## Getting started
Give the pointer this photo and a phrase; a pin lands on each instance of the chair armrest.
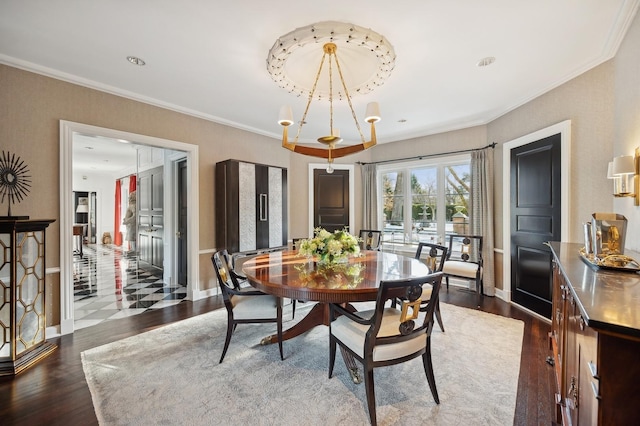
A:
(351, 315)
(238, 275)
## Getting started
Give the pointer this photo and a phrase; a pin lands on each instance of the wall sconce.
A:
(616, 179)
(624, 171)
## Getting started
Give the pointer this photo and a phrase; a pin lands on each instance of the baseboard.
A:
(203, 294)
(503, 295)
(530, 312)
(53, 331)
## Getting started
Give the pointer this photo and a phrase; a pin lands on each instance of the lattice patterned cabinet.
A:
(22, 294)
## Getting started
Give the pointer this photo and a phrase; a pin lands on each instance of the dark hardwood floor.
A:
(55, 392)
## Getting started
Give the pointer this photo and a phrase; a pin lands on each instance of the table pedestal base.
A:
(318, 315)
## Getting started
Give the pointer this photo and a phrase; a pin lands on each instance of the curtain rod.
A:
(420, 157)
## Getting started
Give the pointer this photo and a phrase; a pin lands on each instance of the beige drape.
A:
(370, 197)
(482, 211)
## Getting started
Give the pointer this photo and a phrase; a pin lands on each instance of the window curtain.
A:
(117, 235)
(482, 211)
(132, 183)
(370, 197)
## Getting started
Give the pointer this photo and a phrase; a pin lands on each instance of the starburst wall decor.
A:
(15, 181)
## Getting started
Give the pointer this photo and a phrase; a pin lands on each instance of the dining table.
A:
(287, 274)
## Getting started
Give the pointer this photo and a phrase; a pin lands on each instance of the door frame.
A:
(352, 215)
(172, 217)
(67, 130)
(564, 128)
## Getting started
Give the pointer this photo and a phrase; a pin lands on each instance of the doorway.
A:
(518, 278)
(67, 132)
(346, 183)
(535, 219)
(331, 199)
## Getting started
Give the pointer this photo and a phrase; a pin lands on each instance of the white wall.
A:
(103, 184)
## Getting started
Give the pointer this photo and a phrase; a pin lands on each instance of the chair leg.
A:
(371, 395)
(447, 280)
(279, 316)
(438, 315)
(293, 309)
(231, 326)
(428, 369)
(332, 354)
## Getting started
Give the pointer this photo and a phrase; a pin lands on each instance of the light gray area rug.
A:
(171, 376)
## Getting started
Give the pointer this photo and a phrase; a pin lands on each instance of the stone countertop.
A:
(609, 300)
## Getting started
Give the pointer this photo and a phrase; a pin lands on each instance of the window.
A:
(424, 201)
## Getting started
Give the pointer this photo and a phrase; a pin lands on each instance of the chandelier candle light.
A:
(350, 37)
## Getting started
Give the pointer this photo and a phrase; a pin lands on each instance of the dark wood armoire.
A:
(251, 206)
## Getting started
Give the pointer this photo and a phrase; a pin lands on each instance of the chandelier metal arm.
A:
(331, 152)
(348, 96)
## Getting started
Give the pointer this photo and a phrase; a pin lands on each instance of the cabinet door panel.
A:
(589, 385)
(276, 199)
(247, 207)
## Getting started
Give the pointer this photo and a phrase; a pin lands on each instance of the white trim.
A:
(500, 294)
(67, 130)
(352, 215)
(530, 312)
(564, 128)
(171, 217)
(201, 294)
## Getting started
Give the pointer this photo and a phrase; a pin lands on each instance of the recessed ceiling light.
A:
(135, 60)
(486, 61)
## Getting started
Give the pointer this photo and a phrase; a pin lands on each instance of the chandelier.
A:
(374, 58)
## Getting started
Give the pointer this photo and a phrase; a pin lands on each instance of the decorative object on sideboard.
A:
(370, 58)
(15, 181)
(605, 243)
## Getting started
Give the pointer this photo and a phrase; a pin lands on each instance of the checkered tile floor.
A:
(109, 285)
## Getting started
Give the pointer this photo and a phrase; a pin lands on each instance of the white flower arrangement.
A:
(330, 247)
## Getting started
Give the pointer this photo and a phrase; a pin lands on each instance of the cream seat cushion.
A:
(254, 307)
(461, 269)
(353, 335)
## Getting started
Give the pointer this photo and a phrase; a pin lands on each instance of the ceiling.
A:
(208, 58)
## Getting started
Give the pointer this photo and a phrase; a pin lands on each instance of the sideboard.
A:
(595, 339)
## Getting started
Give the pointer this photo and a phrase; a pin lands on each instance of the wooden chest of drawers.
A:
(595, 338)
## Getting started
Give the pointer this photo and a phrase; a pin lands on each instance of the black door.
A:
(182, 223)
(151, 217)
(535, 219)
(331, 199)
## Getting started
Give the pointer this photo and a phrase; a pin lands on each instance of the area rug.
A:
(171, 376)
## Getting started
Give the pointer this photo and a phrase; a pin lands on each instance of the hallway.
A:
(108, 285)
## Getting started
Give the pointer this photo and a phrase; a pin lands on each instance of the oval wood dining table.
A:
(286, 274)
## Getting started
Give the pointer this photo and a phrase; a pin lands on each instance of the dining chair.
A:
(370, 239)
(434, 258)
(244, 306)
(464, 260)
(386, 335)
(242, 281)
